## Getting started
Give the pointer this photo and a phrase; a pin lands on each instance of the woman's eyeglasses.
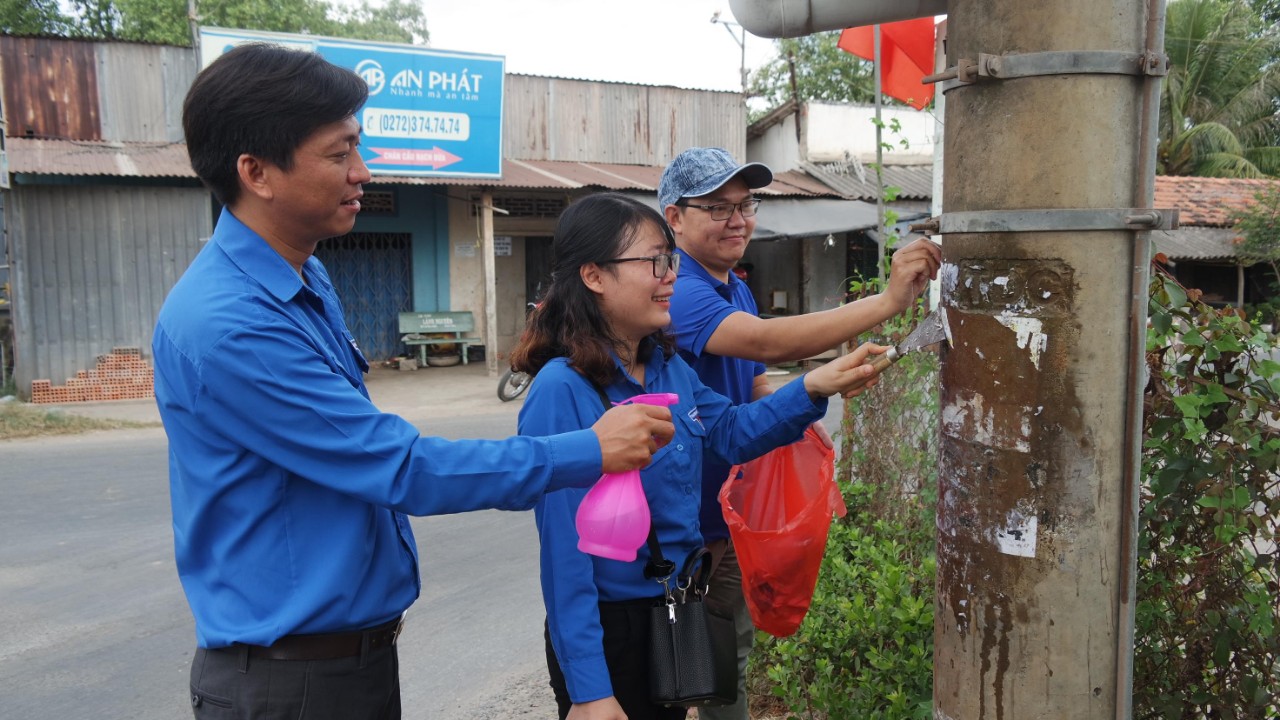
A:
(661, 263)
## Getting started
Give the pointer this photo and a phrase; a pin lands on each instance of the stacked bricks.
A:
(121, 374)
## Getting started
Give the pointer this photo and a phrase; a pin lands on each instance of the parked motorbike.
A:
(513, 383)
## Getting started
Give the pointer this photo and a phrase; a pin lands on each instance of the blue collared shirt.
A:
(289, 488)
(706, 423)
(698, 306)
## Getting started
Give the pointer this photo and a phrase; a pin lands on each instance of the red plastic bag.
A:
(779, 510)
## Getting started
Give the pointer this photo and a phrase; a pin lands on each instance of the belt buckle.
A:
(395, 634)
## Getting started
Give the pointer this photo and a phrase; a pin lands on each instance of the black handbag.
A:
(693, 657)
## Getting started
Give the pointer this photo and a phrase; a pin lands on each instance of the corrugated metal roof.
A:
(82, 158)
(113, 159)
(784, 218)
(794, 182)
(1207, 202)
(553, 175)
(810, 217)
(549, 174)
(1197, 243)
(858, 182)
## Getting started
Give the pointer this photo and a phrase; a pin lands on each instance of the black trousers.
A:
(227, 684)
(626, 652)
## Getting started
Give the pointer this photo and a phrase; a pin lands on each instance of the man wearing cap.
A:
(707, 199)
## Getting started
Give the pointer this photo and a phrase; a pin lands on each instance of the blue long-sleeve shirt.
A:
(289, 488)
(573, 583)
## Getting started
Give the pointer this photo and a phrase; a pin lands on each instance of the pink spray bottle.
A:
(613, 519)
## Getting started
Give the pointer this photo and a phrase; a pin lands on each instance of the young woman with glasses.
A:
(601, 328)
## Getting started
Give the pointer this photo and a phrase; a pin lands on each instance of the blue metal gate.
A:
(372, 273)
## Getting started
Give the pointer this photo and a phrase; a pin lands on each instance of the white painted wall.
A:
(466, 265)
(777, 147)
(833, 130)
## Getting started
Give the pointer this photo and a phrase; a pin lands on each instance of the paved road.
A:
(93, 623)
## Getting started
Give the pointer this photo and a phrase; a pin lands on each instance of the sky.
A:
(653, 42)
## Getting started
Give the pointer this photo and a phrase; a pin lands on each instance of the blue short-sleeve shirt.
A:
(700, 303)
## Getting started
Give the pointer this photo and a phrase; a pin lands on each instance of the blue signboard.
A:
(429, 113)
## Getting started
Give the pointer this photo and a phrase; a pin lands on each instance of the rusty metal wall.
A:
(576, 120)
(141, 89)
(50, 88)
(1031, 542)
(91, 267)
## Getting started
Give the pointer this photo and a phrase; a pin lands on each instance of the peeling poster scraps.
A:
(1018, 536)
(1030, 334)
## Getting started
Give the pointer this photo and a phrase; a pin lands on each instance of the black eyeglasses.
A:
(661, 263)
(724, 211)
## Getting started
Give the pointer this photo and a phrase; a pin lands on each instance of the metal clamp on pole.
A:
(964, 73)
(1082, 220)
(1069, 62)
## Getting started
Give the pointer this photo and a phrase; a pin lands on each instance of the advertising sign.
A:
(429, 112)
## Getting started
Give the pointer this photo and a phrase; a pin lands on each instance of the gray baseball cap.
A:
(698, 171)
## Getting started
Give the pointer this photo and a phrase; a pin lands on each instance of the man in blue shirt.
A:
(289, 488)
(706, 197)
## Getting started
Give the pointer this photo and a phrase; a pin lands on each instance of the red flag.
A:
(906, 56)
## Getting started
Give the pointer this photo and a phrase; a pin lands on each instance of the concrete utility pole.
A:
(1048, 167)
(1051, 113)
(490, 284)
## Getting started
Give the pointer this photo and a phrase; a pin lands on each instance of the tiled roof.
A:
(115, 159)
(1207, 202)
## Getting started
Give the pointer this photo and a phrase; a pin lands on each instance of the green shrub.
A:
(1208, 613)
(865, 650)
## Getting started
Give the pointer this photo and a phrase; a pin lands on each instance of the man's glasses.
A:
(661, 263)
(724, 211)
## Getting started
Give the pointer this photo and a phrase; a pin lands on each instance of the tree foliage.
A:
(167, 21)
(1259, 226)
(33, 17)
(1268, 11)
(820, 70)
(1219, 109)
(399, 21)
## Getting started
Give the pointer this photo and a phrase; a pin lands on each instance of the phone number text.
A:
(416, 125)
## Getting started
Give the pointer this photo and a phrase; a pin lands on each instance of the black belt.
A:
(329, 646)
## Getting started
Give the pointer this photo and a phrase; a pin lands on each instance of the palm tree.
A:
(1220, 110)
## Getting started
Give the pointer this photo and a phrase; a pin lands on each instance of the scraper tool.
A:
(932, 329)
